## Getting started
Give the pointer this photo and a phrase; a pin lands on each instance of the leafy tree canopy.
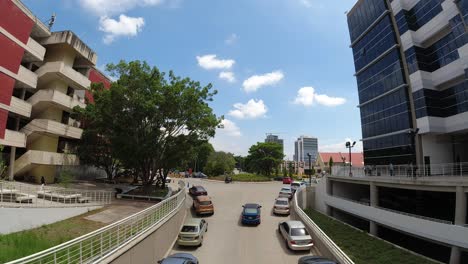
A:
(264, 157)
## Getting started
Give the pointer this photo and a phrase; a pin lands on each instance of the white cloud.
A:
(307, 96)
(112, 7)
(227, 76)
(231, 39)
(251, 110)
(255, 82)
(209, 62)
(306, 3)
(125, 26)
(340, 147)
(229, 128)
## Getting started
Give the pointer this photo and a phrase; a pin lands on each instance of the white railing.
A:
(319, 236)
(453, 170)
(99, 244)
(17, 194)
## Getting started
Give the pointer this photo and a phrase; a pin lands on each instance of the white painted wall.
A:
(438, 148)
(320, 194)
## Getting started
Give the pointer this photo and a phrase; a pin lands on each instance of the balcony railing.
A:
(425, 171)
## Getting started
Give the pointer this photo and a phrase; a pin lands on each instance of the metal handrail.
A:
(339, 255)
(94, 246)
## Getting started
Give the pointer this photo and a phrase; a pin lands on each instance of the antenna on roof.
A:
(51, 21)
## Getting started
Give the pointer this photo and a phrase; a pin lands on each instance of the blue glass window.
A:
(363, 15)
(418, 16)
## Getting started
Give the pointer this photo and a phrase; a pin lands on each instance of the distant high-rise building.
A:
(275, 139)
(304, 145)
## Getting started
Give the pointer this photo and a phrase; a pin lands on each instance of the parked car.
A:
(228, 179)
(197, 190)
(251, 214)
(315, 260)
(203, 205)
(287, 180)
(278, 178)
(307, 183)
(281, 206)
(286, 192)
(168, 179)
(192, 232)
(179, 258)
(295, 235)
(296, 185)
(199, 175)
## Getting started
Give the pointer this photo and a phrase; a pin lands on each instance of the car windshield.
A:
(299, 232)
(280, 202)
(189, 228)
(295, 184)
(250, 211)
(285, 190)
(205, 203)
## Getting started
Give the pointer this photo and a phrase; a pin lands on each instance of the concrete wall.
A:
(438, 148)
(320, 195)
(356, 192)
(154, 245)
(18, 219)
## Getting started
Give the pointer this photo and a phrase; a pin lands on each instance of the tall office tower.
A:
(304, 145)
(275, 139)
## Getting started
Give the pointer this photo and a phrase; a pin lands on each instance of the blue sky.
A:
(281, 66)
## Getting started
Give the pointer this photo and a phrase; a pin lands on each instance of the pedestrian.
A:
(391, 169)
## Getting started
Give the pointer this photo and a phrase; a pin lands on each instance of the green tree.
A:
(290, 169)
(330, 165)
(146, 112)
(202, 152)
(240, 162)
(219, 163)
(263, 158)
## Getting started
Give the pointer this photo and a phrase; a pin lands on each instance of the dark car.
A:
(179, 258)
(228, 179)
(315, 260)
(251, 214)
(197, 191)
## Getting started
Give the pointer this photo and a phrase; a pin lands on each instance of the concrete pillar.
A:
(373, 228)
(460, 206)
(455, 255)
(374, 195)
(11, 168)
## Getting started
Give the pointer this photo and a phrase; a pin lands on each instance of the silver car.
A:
(281, 206)
(192, 232)
(296, 185)
(295, 235)
(286, 192)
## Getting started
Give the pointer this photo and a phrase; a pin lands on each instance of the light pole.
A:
(350, 146)
(310, 167)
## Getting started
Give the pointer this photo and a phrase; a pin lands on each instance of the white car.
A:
(192, 232)
(295, 235)
(286, 192)
(296, 185)
(281, 206)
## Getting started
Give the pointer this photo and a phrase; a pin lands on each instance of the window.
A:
(299, 232)
(189, 228)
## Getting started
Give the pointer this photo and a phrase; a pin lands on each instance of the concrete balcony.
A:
(18, 107)
(26, 78)
(442, 125)
(36, 157)
(43, 99)
(13, 139)
(431, 229)
(58, 70)
(33, 51)
(46, 126)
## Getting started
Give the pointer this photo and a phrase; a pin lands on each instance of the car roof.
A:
(286, 188)
(295, 224)
(198, 187)
(315, 259)
(192, 222)
(203, 198)
(282, 199)
(178, 258)
(251, 205)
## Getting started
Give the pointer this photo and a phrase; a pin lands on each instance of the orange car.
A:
(203, 205)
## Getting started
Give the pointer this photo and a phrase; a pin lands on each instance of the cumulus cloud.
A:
(227, 76)
(112, 7)
(255, 82)
(231, 39)
(124, 27)
(340, 146)
(307, 96)
(229, 128)
(210, 62)
(251, 110)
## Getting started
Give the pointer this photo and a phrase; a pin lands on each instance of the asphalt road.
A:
(227, 240)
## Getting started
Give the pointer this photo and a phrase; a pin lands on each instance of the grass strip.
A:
(244, 177)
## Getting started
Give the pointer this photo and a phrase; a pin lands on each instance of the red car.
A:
(287, 180)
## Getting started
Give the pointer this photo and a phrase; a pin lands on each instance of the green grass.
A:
(244, 177)
(24, 243)
(361, 247)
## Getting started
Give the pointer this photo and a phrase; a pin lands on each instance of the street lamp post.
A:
(310, 167)
(350, 146)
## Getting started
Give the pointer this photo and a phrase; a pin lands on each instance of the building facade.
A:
(275, 139)
(43, 76)
(411, 58)
(302, 146)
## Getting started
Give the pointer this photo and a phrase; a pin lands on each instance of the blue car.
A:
(179, 258)
(251, 214)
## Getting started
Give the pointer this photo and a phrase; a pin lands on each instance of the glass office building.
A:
(410, 59)
(304, 145)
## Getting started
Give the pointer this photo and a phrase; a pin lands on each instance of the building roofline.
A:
(351, 11)
(31, 15)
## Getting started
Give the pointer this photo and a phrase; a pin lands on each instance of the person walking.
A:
(391, 169)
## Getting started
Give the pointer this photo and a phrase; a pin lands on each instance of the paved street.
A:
(227, 241)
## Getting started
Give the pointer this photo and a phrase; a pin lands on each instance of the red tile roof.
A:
(356, 158)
